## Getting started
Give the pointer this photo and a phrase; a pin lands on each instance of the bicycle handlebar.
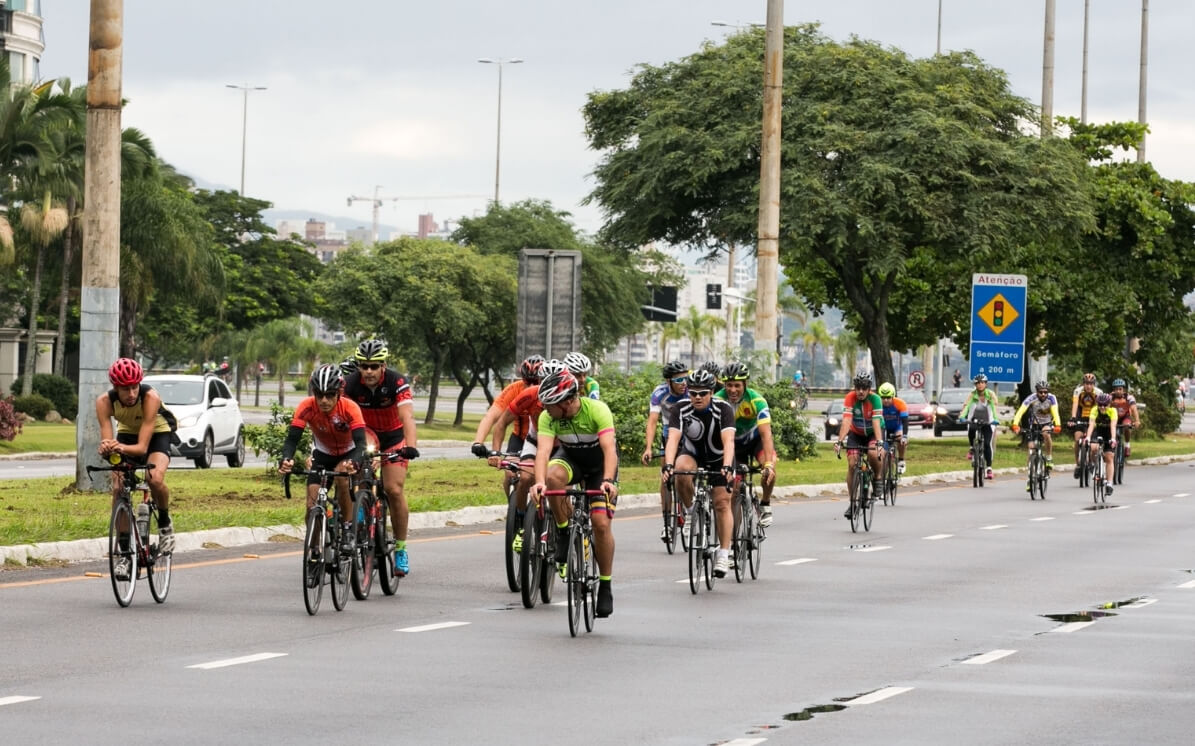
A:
(321, 473)
(573, 492)
(125, 466)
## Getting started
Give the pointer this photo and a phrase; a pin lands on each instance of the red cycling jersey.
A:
(380, 405)
(507, 398)
(526, 407)
(332, 432)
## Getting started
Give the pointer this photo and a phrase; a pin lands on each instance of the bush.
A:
(270, 437)
(10, 424)
(790, 429)
(1160, 415)
(34, 405)
(62, 394)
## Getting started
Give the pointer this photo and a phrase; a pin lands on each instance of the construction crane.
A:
(377, 201)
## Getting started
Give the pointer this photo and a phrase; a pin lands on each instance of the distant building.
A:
(22, 39)
(427, 225)
(286, 228)
(360, 234)
(314, 230)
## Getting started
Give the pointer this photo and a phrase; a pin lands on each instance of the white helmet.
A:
(578, 364)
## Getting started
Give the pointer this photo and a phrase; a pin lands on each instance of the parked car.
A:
(949, 407)
(833, 418)
(921, 412)
(209, 418)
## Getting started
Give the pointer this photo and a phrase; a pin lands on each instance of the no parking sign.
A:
(916, 379)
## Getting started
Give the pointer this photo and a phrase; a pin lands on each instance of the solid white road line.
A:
(237, 661)
(1043, 518)
(15, 699)
(799, 561)
(992, 527)
(430, 627)
(879, 695)
(1069, 627)
(872, 549)
(1188, 584)
(936, 537)
(995, 655)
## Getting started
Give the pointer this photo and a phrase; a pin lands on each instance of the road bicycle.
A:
(537, 559)
(889, 479)
(674, 518)
(800, 398)
(581, 577)
(748, 534)
(1039, 472)
(328, 548)
(374, 546)
(703, 543)
(1119, 454)
(1099, 475)
(862, 507)
(513, 468)
(131, 550)
(979, 450)
(1083, 460)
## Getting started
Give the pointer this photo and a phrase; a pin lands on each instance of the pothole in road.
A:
(1102, 506)
(1078, 616)
(858, 546)
(1126, 602)
(809, 712)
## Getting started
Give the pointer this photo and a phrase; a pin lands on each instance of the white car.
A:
(209, 418)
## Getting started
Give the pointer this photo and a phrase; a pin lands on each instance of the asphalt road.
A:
(929, 629)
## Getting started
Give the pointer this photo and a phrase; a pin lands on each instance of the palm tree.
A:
(43, 223)
(282, 343)
(846, 351)
(698, 327)
(814, 336)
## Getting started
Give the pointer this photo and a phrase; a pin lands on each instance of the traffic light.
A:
(998, 313)
(713, 295)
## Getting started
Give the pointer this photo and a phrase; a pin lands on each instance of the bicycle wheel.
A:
(696, 531)
(575, 580)
(756, 544)
(591, 577)
(869, 506)
(547, 563)
(363, 554)
(1084, 474)
(125, 585)
(1118, 463)
(707, 557)
(857, 501)
(512, 561)
(882, 482)
(1033, 477)
(893, 481)
(383, 549)
(159, 566)
(1097, 488)
(313, 565)
(529, 558)
(341, 566)
(742, 539)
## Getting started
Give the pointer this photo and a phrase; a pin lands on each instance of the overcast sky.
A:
(390, 93)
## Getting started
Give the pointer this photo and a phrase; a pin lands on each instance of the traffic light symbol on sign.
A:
(998, 313)
(713, 295)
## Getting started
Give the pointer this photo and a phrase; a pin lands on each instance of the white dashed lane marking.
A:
(237, 661)
(1043, 518)
(879, 695)
(1181, 494)
(995, 655)
(1071, 627)
(936, 537)
(1188, 584)
(872, 549)
(744, 742)
(15, 700)
(798, 561)
(1151, 502)
(430, 627)
(992, 527)
(1084, 512)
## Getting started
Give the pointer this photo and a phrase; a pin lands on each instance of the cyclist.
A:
(1082, 401)
(713, 367)
(979, 411)
(701, 434)
(664, 398)
(529, 375)
(1126, 410)
(1042, 408)
(348, 366)
(1102, 424)
(580, 367)
(337, 432)
(588, 455)
(144, 429)
(859, 407)
(752, 431)
(525, 406)
(896, 422)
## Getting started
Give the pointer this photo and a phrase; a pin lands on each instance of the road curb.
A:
(90, 550)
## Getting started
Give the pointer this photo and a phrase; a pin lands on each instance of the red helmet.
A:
(125, 372)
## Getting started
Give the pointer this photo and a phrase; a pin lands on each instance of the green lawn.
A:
(36, 510)
(41, 437)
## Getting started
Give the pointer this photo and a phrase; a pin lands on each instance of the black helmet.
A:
(349, 366)
(702, 379)
(712, 367)
(674, 368)
(981, 378)
(735, 371)
(862, 378)
(326, 379)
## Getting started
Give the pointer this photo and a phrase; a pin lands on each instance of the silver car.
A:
(209, 418)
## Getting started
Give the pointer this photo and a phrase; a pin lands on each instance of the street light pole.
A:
(498, 147)
(244, 122)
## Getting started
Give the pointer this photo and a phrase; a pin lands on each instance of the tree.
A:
(900, 175)
(846, 348)
(282, 343)
(698, 328)
(813, 336)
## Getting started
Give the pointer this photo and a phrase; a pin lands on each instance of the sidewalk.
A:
(86, 550)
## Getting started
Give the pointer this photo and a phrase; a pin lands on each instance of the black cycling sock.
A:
(519, 516)
(122, 541)
(765, 502)
(163, 517)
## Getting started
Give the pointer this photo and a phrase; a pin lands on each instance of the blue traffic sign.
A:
(998, 326)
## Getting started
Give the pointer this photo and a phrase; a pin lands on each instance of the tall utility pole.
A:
(938, 49)
(244, 122)
(768, 249)
(1047, 73)
(1141, 83)
(498, 148)
(1083, 96)
(99, 314)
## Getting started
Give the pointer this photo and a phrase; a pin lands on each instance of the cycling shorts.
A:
(321, 460)
(158, 442)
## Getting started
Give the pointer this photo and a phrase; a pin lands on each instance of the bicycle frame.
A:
(862, 499)
(702, 539)
(581, 576)
(324, 519)
(141, 551)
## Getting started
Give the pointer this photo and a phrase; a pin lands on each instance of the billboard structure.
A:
(549, 303)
